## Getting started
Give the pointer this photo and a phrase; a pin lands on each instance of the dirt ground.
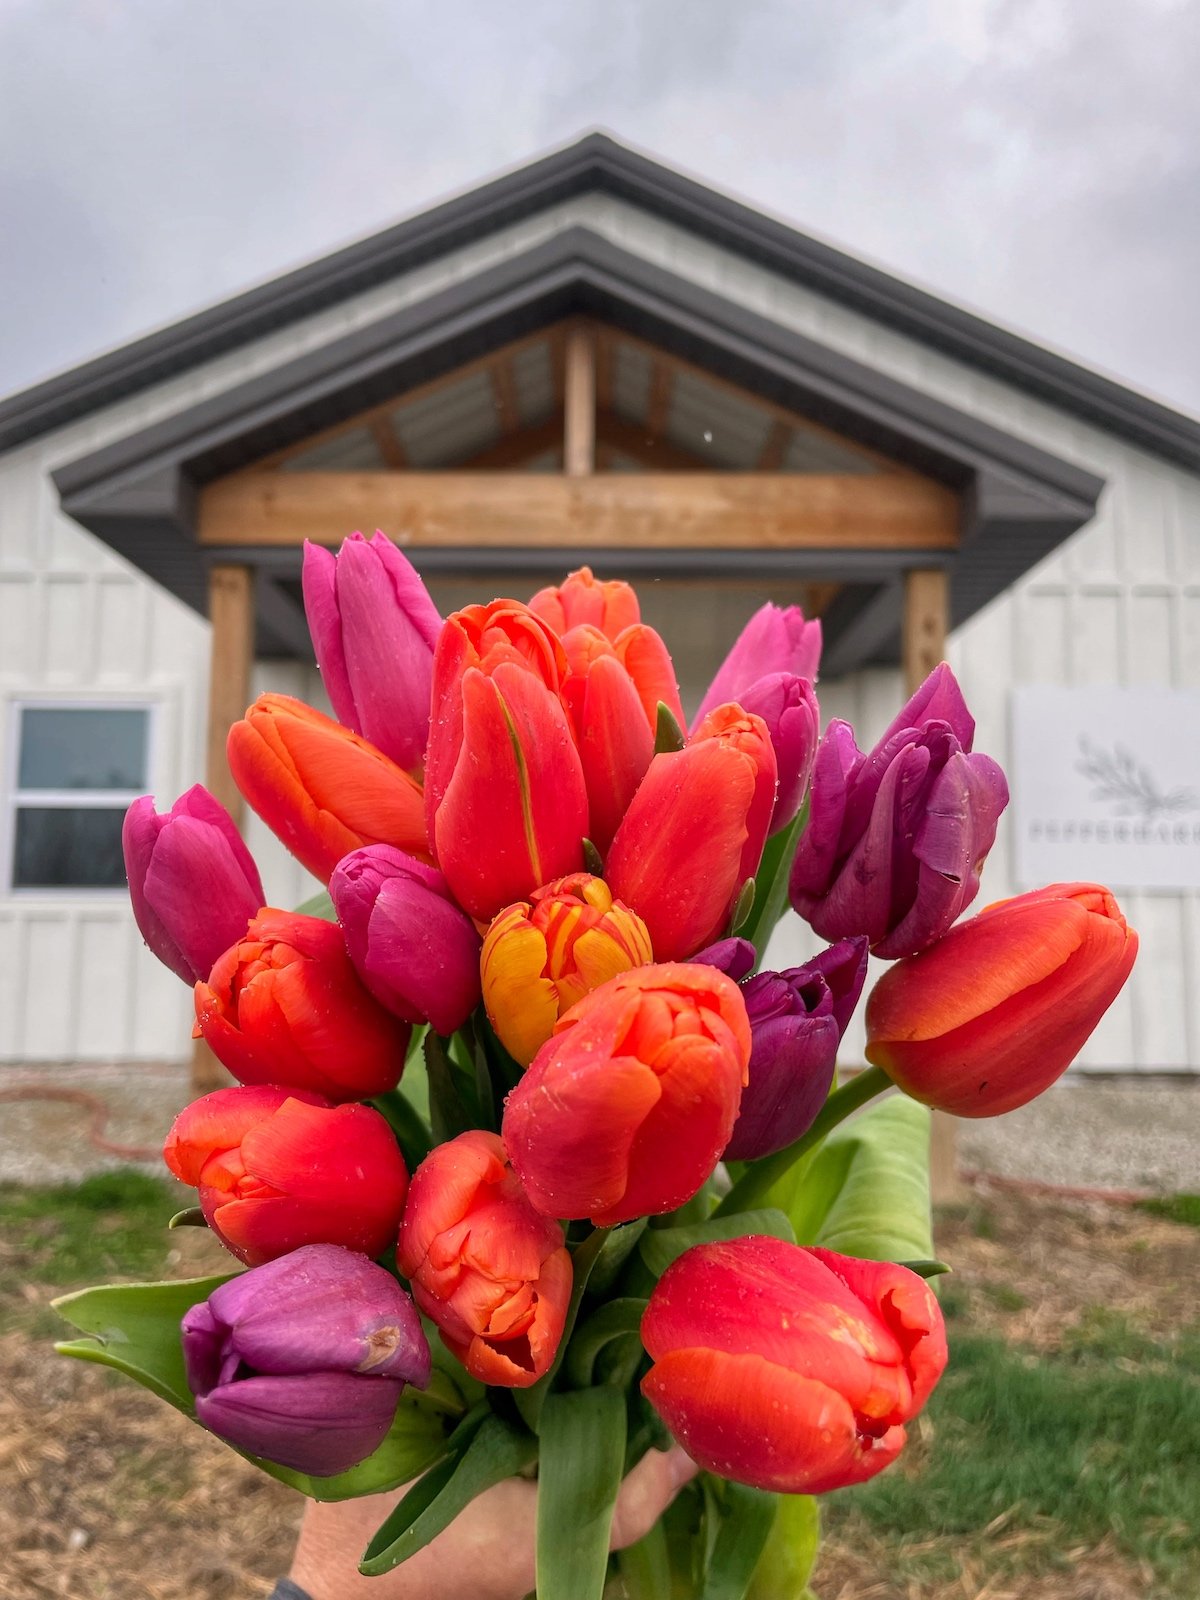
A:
(109, 1495)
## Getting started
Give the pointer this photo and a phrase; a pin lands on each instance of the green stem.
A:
(758, 1178)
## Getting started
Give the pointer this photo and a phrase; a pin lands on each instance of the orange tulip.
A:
(582, 599)
(482, 1264)
(542, 955)
(322, 789)
(992, 1014)
(694, 832)
(626, 1110)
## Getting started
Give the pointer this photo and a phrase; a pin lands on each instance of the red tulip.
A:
(694, 832)
(285, 1006)
(483, 1265)
(279, 1168)
(322, 789)
(792, 1370)
(992, 1014)
(504, 790)
(582, 599)
(626, 1110)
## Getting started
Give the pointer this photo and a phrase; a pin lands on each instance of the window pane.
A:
(68, 848)
(101, 749)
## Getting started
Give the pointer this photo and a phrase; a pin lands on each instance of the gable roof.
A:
(598, 164)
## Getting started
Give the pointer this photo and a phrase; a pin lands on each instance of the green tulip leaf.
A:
(320, 905)
(411, 1130)
(581, 1460)
(485, 1453)
(668, 735)
(611, 1321)
(189, 1217)
(745, 1518)
(926, 1269)
(449, 1111)
(614, 1253)
(771, 884)
(658, 1247)
(787, 1562)
(645, 1567)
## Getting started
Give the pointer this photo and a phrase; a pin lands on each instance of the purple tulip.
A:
(304, 1360)
(776, 639)
(734, 957)
(414, 949)
(193, 883)
(789, 708)
(374, 629)
(896, 838)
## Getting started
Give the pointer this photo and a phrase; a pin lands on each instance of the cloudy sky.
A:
(1038, 160)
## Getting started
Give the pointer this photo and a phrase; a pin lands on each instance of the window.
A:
(74, 772)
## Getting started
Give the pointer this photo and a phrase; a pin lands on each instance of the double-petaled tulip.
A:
(626, 1110)
(613, 690)
(797, 1019)
(319, 787)
(504, 790)
(999, 1008)
(896, 838)
(284, 1005)
(277, 1169)
(543, 955)
(304, 1360)
(414, 949)
(789, 710)
(789, 1369)
(193, 883)
(583, 600)
(374, 629)
(694, 832)
(484, 1266)
(776, 639)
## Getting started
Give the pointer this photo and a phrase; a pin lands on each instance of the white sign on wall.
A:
(1106, 787)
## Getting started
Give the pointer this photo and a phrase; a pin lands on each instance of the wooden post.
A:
(579, 403)
(923, 645)
(231, 612)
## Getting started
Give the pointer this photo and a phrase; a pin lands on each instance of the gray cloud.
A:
(1038, 159)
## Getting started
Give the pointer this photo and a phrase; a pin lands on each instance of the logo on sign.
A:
(1127, 785)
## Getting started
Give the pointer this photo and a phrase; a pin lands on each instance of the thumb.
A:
(647, 1492)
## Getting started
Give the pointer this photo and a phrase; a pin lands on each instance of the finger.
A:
(647, 1492)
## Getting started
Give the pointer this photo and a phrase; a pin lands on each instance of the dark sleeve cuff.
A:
(285, 1589)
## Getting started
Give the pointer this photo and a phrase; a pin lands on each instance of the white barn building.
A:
(592, 358)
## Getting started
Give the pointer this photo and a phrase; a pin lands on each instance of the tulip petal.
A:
(321, 1423)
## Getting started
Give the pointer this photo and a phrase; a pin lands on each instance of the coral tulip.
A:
(776, 639)
(896, 838)
(374, 629)
(414, 949)
(193, 883)
(484, 1266)
(278, 1168)
(626, 1110)
(694, 832)
(319, 787)
(304, 1360)
(284, 1005)
(789, 1369)
(543, 955)
(582, 599)
(504, 789)
(992, 1014)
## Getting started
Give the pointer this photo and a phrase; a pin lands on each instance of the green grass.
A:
(113, 1224)
(1184, 1208)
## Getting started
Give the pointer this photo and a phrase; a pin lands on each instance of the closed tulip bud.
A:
(776, 639)
(414, 949)
(996, 1011)
(694, 832)
(789, 1369)
(285, 1006)
(626, 1110)
(504, 789)
(374, 629)
(492, 1274)
(278, 1168)
(320, 788)
(542, 955)
(788, 708)
(613, 691)
(193, 883)
(896, 839)
(303, 1361)
(582, 599)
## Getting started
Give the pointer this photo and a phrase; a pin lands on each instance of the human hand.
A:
(487, 1553)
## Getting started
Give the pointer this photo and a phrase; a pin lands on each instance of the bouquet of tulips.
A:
(529, 1164)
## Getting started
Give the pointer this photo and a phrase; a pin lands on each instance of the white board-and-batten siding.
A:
(1118, 605)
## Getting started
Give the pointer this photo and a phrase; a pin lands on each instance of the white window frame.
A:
(67, 799)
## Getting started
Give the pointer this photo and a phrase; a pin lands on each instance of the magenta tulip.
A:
(776, 639)
(789, 708)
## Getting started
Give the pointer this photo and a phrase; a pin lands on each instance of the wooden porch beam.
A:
(517, 448)
(658, 403)
(651, 510)
(633, 439)
(504, 395)
(387, 442)
(579, 404)
(775, 448)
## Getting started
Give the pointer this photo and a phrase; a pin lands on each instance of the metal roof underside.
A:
(138, 494)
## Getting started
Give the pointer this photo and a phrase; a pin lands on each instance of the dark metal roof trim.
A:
(598, 163)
